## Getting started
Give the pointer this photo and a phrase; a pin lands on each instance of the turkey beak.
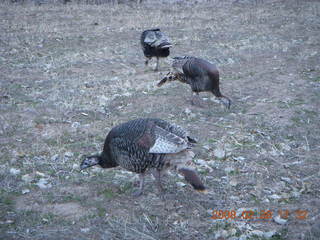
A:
(167, 46)
(83, 166)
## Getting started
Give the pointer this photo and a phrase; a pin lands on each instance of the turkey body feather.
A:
(143, 144)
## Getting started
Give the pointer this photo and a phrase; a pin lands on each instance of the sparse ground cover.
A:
(69, 73)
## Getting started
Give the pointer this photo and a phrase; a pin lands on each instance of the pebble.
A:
(85, 230)
(15, 171)
(40, 174)
(43, 183)
(181, 184)
(222, 233)
(275, 196)
(7, 222)
(75, 125)
(285, 179)
(239, 158)
(269, 234)
(75, 166)
(68, 154)
(201, 162)
(229, 169)
(219, 152)
(232, 232)
(257, 233)
(25, 191)
(27, 178)
(295, 194)
(102, 100)
(280, 220)
(285, 146)
(55, 157)
(187, 111)
(243, 237)
(233, 183)
(206, 147)
(234, 198)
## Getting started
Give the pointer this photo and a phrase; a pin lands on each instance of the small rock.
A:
(68, 154)
(85, 230)
(267, 191)
(219, 153)
(206, 147)
(229, 169)
(274, 152)
(233, 183)
(280, 220)
(27, 178)
(285, 146)
(15, 171)
(295, 194)
(75, 125)
(243, 237)
(55, 157)
(232, 232)
(201, 162)
(75, 166)
(269, 234)
(25, 191)
(221, 233)
(285, 179)
(181, 184)
(40, 174)
(187, 111)
(234, 198)
(103, 100)
(88, 85)
(239, 158)
(275, 197)
(43, 183)
(257, 233)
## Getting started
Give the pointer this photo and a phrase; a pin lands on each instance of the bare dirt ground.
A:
(70, 73)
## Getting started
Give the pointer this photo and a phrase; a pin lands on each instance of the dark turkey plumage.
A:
(147, 144)
(155, 43)
(200, 74)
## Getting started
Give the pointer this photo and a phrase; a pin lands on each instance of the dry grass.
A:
(70, 73)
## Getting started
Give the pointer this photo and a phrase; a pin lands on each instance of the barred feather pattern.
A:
(142, 144)
(200, 74)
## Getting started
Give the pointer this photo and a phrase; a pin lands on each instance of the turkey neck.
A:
(106, 161)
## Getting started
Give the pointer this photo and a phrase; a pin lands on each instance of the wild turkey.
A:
(155, 44)
(201, 75)
(148, 144)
